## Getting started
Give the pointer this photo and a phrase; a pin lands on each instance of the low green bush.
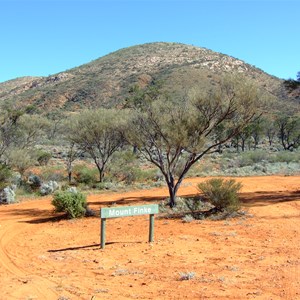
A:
(286, 156)
(125, 167)
(5, 176)
(85, 175)
(43, 157)
(56, 173)
(184, 207)
(221, 193)
(72, 203)
(249, 158)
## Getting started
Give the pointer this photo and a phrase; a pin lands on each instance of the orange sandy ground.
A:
(255, 257)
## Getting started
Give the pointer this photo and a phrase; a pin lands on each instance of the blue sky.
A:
(43, 37)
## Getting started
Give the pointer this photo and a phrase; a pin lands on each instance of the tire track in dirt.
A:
(28, 283)
(6, 236)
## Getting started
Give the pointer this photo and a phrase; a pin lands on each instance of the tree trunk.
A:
(243, 145)
(135, 149)
(70, 176)
(172, 189)
(101, 175)
(237, 140)
(172, 193)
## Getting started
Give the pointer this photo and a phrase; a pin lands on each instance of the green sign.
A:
(129, 211)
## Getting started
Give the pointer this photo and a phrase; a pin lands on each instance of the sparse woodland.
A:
(153, 138)
(147, 115)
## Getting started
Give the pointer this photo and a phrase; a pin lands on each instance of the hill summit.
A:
(107, 81)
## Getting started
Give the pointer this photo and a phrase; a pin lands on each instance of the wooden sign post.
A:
(127, 211)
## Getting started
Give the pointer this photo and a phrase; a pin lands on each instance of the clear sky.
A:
(43, 37)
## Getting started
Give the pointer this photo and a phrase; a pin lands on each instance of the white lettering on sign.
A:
(142, 210)
(126, 211)
(119, 212)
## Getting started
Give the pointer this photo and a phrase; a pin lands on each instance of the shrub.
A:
(125, 167)
(286, 156)
(5, 176)
(185, 208)
(54, 173)
(73, 203)
(43, 157)
(251, 157)
(223, 194)
(188, 219)
(85, 175)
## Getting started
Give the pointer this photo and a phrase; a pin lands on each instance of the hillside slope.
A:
(107, 80)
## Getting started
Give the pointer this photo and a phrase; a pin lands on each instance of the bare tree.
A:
(175, 135)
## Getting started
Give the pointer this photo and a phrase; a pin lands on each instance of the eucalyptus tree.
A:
(245, 136)
(20, 160)
(288, 131)
(98, 133)
(257, 130)
(19, 133)
(9, 131)
(270, 129)
(32, 130)
(174, 135)
(72, 154)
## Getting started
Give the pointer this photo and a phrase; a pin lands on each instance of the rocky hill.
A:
(107, 81)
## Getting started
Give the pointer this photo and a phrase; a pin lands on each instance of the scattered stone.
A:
(8, 195)
(48, 187)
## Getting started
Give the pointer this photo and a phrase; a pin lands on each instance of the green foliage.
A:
(85, 175)
(43, 157)
(192, 207)
(98, 133)
(72, 203)
(252, 157)
(286, 156)
(173, 135)
(5, 176)
(288, 131)
(55, 173)
(20, 159)
(125, 167)
(221, 193)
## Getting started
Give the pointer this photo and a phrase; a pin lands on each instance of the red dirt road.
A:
(253, 257)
